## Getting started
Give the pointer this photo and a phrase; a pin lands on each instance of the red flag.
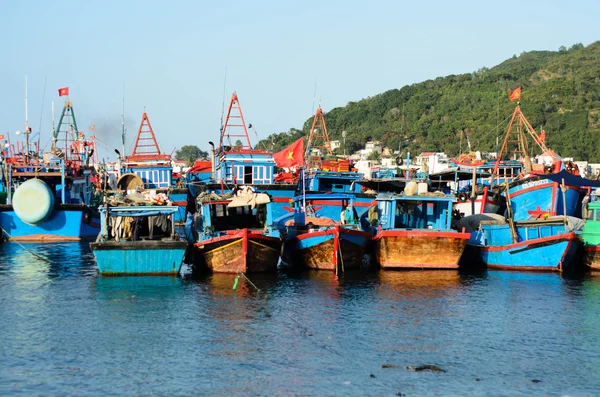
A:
(291, 155)
(542, 138)
(63, 91)
(1, 136)
(516, 94)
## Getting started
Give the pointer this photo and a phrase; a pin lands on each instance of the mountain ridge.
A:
(560, 94)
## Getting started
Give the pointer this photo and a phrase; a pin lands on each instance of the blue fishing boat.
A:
(414, 232)
(541, 244)
(546, 195)
(138, 240)
(153, 167)
(48, 197)
(316, 238)
(235, 163)
(236, 234)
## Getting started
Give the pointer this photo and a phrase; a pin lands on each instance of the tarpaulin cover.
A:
(570, 179)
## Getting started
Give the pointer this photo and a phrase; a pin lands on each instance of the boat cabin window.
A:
(223, 218)
(597, 215)
(248, 175)
(419, 215)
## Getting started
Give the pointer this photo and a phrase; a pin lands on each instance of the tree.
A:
(375, 156)
(190, 153)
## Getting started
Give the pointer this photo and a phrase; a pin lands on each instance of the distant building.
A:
(432, 162)
(370, 147)
(334, 145)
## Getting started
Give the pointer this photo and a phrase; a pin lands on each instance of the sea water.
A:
(64, 330)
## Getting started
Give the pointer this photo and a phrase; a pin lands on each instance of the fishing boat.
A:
(415, 232)
(235, 163)
(538, 244)
(48, 196)
(153, 167)
(315, 238)
(234, 235)
(138, 240)
(555, 191)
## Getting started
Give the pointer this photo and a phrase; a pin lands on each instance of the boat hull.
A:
(535, 199)
(151, 257)
(66, 223)
(413, 249)
(331, 249)
(591, 257)
(240, 251)
(553, 253)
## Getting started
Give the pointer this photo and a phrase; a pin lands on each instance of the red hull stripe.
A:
(332, 231)
(566, 236)
(232, 235)
(421, 233)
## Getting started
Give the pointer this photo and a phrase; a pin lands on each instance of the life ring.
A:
(399, 160)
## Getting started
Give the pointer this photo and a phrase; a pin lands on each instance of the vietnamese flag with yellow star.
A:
(290, 156)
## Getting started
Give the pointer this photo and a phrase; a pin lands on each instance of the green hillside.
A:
(560, 94)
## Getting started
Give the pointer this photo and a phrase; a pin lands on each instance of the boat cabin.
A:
(134, 223)
(397, 211)
(244, 167)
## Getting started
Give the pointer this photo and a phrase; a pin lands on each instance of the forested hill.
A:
(560, 94)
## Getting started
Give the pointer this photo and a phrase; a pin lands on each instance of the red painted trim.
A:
(336, 246)
(245, 151)
(545, 185)
(566, 236)
(281, 199)
(233, 234)
(483, 200)
(531, 188)
(245, 245)
(592, 248)
(341, 232)
(553, 202)
(421, 234)
(180, 203)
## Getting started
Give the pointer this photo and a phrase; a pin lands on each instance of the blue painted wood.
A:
(528, 198)
(542, 246)
(61, 224)
(139, 257)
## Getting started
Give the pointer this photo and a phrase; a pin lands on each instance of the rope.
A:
(25, 248)
(304, 328)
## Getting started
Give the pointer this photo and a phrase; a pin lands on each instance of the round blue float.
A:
(33, 201)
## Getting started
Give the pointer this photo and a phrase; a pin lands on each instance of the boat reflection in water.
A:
(137, 287)
(42, 260)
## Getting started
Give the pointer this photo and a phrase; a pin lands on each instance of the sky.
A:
(171, 57)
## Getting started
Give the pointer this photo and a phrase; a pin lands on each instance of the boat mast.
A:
(233, 120)
(515, 134)
(318, 137)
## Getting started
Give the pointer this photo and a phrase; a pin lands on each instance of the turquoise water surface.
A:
(66, 331)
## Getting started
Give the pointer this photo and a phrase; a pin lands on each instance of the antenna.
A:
(26, 113)
(314, 96)
(42, 112)
(123, 123)
(223, 105)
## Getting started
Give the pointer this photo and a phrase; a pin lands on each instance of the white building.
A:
(334, 145)
(432, 162)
